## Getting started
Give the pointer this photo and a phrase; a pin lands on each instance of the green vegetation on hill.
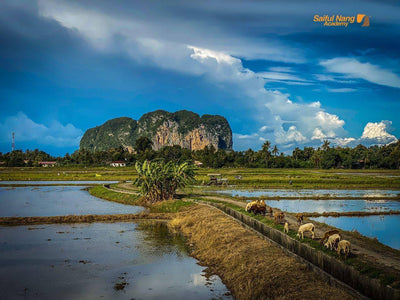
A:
(112, 134)
(123, 132)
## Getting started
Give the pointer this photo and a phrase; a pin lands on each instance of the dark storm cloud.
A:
(227, 57)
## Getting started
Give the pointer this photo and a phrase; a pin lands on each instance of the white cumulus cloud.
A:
(26, 129)
(344, 141)
(375, 133)
(328, 121)
(289, 136)
(378, 132)
(352, 68)
(318, 134)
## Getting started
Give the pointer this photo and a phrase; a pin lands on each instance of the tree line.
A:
(325, 157)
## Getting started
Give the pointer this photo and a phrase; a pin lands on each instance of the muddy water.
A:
(56, 201)
(384, 228)
(100, 261)
(310, 193)
(321, 206)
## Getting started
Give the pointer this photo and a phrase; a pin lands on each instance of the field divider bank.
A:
(350, 213)
(17, 221)
(327, 266)
(114, 189)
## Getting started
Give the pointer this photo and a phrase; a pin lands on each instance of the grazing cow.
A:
(276, 217)
(299, 217)
(345, 246)
(250, 205)
(286, 227)
(306, 227)
(332, 241)
(256, 207)
(279, 217)
(327, 234)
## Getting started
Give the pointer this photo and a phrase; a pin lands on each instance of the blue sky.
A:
(66, 66)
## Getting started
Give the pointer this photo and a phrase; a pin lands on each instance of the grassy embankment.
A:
(58, 174)
(250, 267)
(307, 178)
(251, 178)
(18, 221)
(362, 266)
(170, 206)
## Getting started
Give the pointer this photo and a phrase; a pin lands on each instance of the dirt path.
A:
(128, 186)
(381, 257)
(121, 190)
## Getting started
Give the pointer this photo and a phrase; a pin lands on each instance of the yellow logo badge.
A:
(361, 17)
(342, 21)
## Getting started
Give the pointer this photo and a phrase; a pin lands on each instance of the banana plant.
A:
(158, 181)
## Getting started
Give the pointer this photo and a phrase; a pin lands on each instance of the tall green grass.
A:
(251, 178)
(101, 192)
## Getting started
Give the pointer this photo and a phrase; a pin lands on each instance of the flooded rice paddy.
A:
(43, 201)
(384, 228)
(282, 193)
(330, 205)
(101, 261)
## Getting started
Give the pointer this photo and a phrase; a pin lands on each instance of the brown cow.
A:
(299, 217)
(327, 234)
(279, 217)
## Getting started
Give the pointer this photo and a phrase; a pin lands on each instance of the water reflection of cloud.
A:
(377, 201)
(374, 195)
(198, 279)
(321, 206)
(310, 193)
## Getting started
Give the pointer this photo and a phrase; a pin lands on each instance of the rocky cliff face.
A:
(183, 128)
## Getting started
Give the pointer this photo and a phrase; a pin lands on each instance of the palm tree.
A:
(316, 158)
(275, 151)
(325, 145)
(265, 153)
(266, 146)
(296, 153)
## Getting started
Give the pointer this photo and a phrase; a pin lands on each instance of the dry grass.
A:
(251, 267)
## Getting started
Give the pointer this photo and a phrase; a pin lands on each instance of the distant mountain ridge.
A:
(184, 128)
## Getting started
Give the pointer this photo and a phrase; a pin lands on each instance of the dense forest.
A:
(326, 157)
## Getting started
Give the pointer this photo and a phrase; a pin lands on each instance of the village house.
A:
(47, 163)
(118, 163)
(198, 163)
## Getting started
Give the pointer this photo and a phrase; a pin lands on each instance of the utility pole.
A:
(13, 142)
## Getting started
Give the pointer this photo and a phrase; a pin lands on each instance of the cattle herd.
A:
(331, 239)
